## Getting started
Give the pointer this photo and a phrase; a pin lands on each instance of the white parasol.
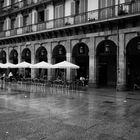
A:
(24, 65)
(8, 65)
(42, 65)
(65, 65)
(1, 65)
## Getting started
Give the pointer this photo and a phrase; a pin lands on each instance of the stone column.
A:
(7, 54)
(50, 70)
(49, 50)
(19, 53)
(20, 70)
(68, 58)
(7, 58)
(32, 60)
(121, 64)
(68, 71)
(92, 63)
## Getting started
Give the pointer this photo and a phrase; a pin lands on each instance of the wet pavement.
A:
(61, 114)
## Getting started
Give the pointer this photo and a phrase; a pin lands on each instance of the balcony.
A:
(22, 5)
(121, 11)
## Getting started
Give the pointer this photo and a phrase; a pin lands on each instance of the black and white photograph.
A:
(69, 69)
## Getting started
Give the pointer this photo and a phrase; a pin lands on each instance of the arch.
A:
(41, 54)
(13, 56)
(132, 62)
(2, 56)
(106, 61)
(26, 55)
(80, 49)
(80, 55)
(104, 45)
(59, 55)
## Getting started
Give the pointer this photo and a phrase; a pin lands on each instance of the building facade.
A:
(101, 36)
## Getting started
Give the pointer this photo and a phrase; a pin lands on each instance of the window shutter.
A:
(109, 3)
(16, 22)
(4, 25)
(21, 20)
(73, 8)
(103, 12)
(8, 2)
(5, 3)
(110, 11)
(30, 19)
(8, 23)
(82, 6)
(56, 12)
(35, 17)
(128, 1)
(27, 21)
(28, 1)
(46, 14)
(61, 13)
(102, 4)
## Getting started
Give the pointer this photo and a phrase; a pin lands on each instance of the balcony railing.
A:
(91, 16)
(21, 4)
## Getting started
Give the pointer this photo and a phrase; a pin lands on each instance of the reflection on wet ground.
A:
(50, 113)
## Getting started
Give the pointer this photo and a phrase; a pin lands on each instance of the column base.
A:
(121, 87)
(92, 85)
(33, 75)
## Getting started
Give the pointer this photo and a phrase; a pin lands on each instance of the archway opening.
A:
(81, 58)
(14, 59)
(26, 56)
(59, 55)
(132, 63)
(41, 55)
(2, 59)
(106, 54)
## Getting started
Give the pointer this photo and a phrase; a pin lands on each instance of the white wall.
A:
(92, 5)
(68, 7)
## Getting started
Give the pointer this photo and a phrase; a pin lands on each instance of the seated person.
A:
(3, 76)
(10, 76)
(82, 79)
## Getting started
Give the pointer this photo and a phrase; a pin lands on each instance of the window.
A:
(106, 12)
(41, 16)
(2, 3)
(15, 1)
(59, 13)
(46, 14)
(13, 23)
(1, 25)
(25, 20)
(77, 7)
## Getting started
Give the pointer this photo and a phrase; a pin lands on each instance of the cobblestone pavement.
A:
(59, 114)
